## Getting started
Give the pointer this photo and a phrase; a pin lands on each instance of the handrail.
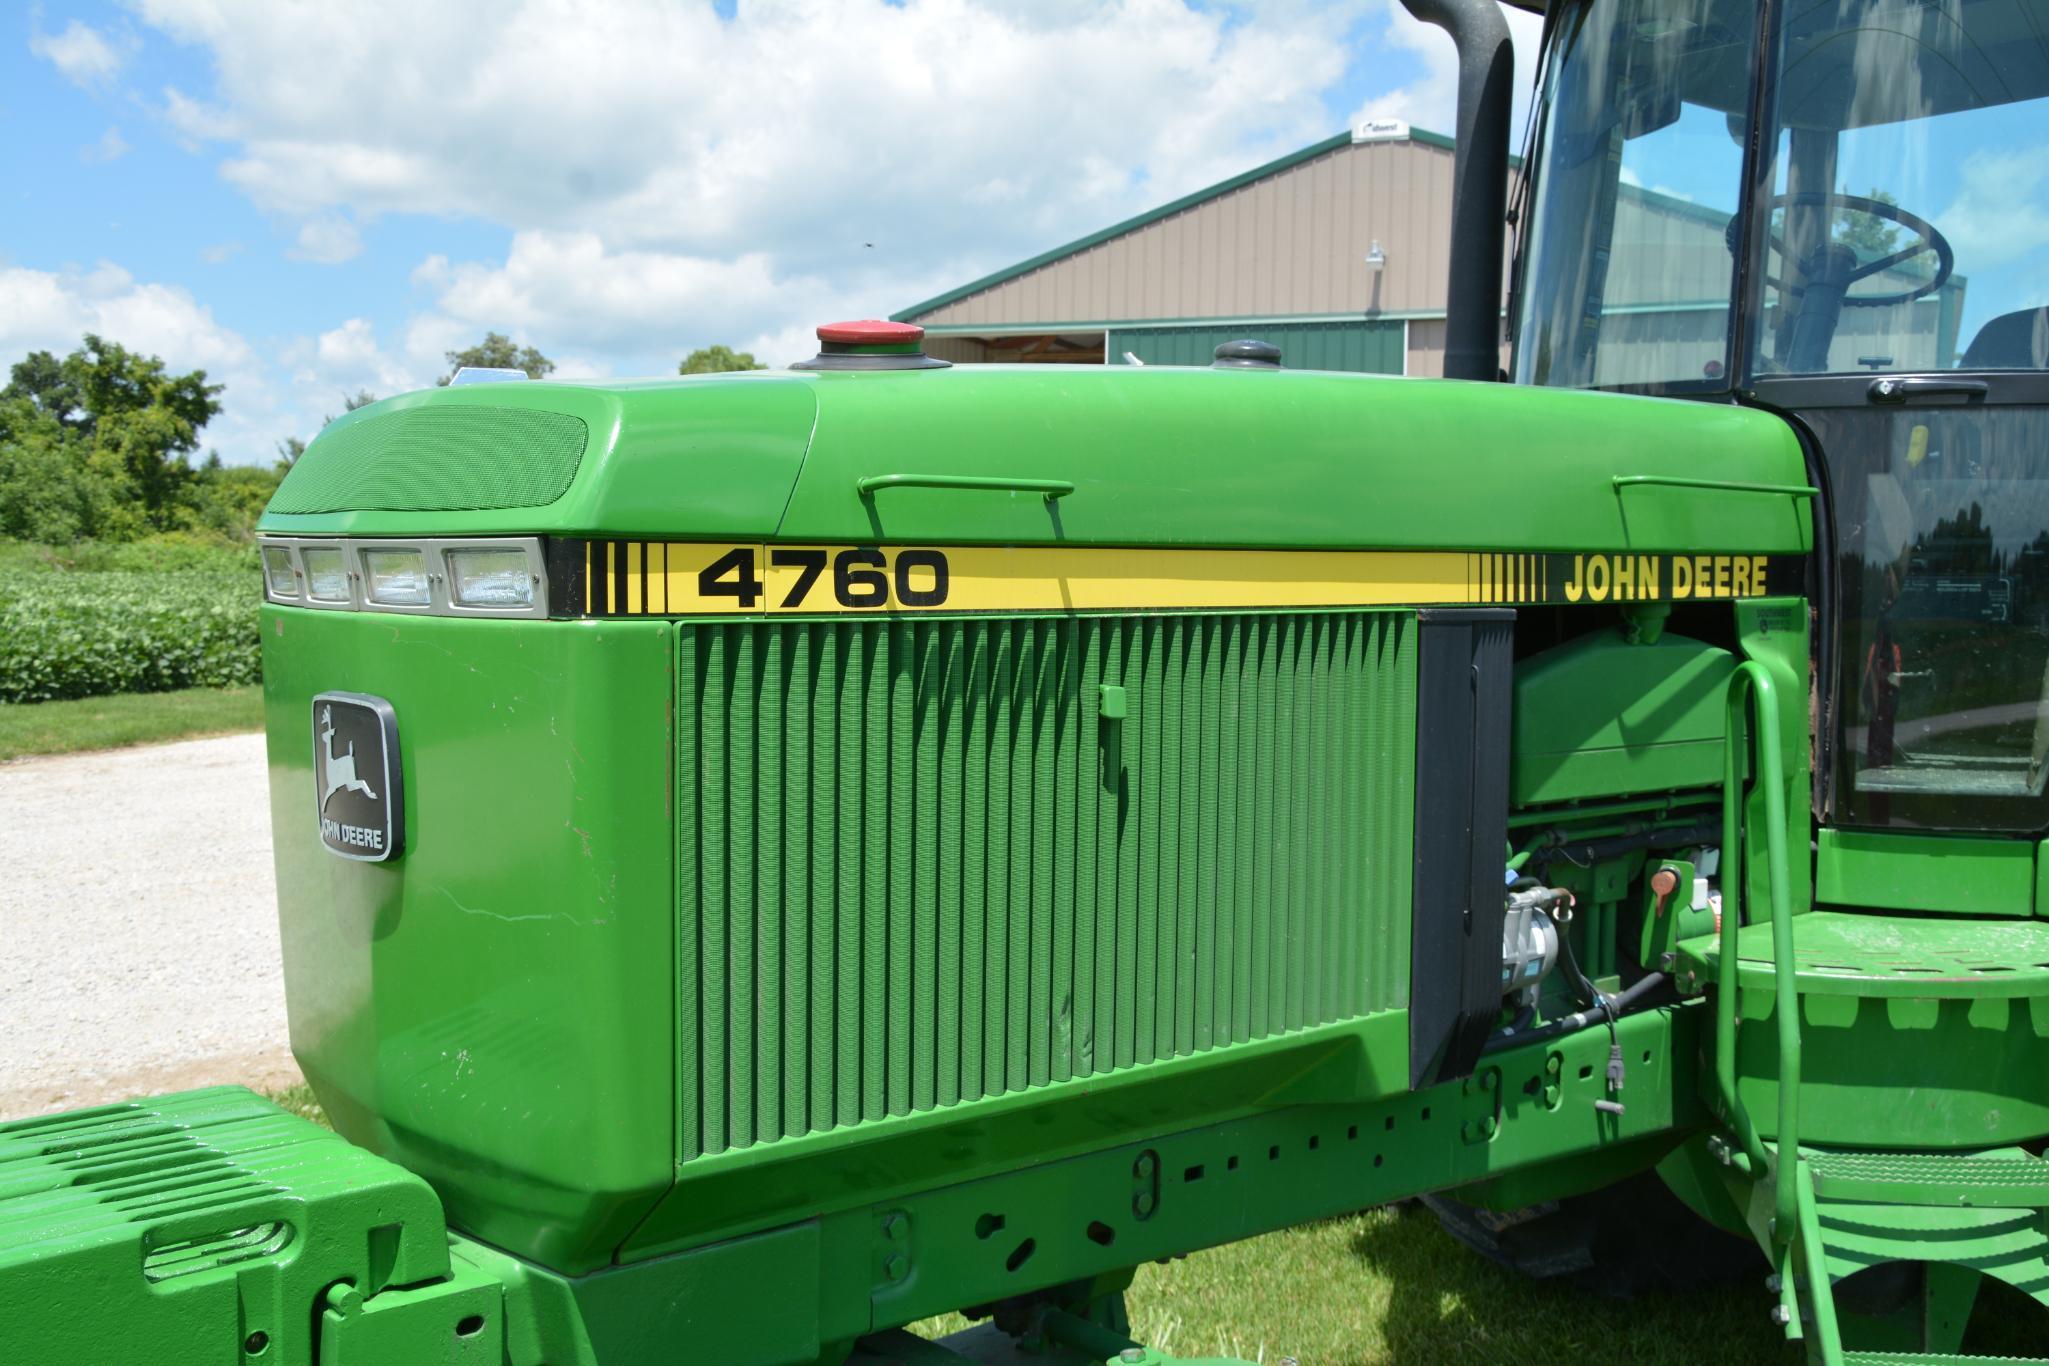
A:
(868, 485)
(1753, 682)
(1674, 481)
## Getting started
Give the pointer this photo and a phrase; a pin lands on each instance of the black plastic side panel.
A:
(1464, 662)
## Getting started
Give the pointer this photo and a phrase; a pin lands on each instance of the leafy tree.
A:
(98, 444)
(39, 380)
(712, 360)
(48, 492)
(497, 352)
(231, 497)
(1871, 235)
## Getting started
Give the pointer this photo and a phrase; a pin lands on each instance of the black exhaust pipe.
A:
(1479, 181)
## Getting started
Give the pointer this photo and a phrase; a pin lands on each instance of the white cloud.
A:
(271, 392)
(1998, 216)
(220, 252)
(111, 147)
(671, 179)
(85, 56)
(328, 240)
(1431, 100)
(50, 310)
(668, 179)
(53, 310)
(570, 290)
(800, 129)
(348, 359)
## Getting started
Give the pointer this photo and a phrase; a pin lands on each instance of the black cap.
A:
(1247, 355)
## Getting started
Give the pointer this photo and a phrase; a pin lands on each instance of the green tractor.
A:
(766, 859)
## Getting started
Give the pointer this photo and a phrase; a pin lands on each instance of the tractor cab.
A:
(1839, 211)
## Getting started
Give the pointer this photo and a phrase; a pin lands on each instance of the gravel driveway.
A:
(138, 925)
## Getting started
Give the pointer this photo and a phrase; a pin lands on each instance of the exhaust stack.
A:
(1486, 78)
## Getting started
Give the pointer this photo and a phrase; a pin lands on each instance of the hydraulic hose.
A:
(1583, 852)
(1605, 1010)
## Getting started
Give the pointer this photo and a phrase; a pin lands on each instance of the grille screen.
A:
(918, 866)
(437, 459)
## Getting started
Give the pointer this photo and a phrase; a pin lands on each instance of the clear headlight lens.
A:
(396, 578)
(327, 576)
(490, 578)
(277, 572)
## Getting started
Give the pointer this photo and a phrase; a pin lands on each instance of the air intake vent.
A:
(923, 862)
(443, 458)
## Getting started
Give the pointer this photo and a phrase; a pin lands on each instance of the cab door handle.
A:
(1906, 390)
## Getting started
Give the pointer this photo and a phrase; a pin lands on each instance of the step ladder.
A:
(1822, 1213)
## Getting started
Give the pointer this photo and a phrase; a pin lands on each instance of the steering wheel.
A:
(1926, 240)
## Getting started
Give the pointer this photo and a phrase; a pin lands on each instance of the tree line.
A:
(101, 443)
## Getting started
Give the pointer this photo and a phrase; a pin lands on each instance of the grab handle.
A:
(869, 485)
(1673, 481)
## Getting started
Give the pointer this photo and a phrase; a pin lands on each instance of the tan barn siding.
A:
(1426, 348)
(1292, 243)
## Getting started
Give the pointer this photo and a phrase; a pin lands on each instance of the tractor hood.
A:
(1156, 456)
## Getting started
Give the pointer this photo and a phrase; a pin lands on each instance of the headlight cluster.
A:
(495, 577)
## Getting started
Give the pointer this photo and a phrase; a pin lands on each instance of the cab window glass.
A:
(1944, 676)
(1908, 226)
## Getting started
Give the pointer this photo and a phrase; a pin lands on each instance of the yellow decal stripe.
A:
(693, 578)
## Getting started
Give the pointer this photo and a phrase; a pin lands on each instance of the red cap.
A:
(871, 332)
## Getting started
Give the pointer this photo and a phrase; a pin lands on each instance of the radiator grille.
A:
(443, 459)
(918, 867)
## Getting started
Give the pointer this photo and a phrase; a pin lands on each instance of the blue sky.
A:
(305, 204)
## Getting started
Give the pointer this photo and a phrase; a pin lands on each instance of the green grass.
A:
(1390, 1286)
(126, 719)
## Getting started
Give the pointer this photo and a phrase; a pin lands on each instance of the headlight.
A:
(395, 578)
(490, 578)
(327, 576)
(277, 572)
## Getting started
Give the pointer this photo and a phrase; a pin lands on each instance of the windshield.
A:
(1907, 221)
(1908, 226)
(1628, 278)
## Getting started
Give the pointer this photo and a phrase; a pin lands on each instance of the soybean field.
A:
(151, 616)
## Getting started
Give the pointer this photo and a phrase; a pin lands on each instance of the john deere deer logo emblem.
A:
(357, 781)
(339, 769)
